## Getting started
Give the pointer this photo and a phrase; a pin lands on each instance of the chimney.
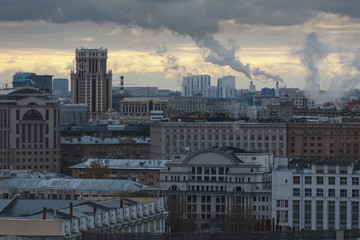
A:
(94, 207)
(71, 210)
(122, 84)
(44, 213)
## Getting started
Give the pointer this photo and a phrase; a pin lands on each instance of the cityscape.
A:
(172, 131)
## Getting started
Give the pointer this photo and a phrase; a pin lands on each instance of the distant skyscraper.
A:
(252, 87)
(196, 84)
(61, 87)
(90, 82)
(26, 79)
(226, 87)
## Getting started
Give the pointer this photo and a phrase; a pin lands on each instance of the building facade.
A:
(211, 186)
(90, 82)
(195, 84)
(73, 114)
(195, 104)
(75, 150)
(316, 195)
(333, 141)
(176, 137)
(226, 87)
(141, 107)
(61, 87)
(29, 130)
(26, 79)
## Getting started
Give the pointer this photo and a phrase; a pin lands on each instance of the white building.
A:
(316, 195)
(195, 84)
(214, 184)
(226, 87)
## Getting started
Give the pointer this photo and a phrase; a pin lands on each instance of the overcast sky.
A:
(155, 43)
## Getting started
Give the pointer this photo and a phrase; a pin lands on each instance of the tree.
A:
(96, 170)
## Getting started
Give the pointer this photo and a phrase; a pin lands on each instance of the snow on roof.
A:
(96, 140)
(103, 185)
(126, 163)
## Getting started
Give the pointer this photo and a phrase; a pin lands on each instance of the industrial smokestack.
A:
(122, 84)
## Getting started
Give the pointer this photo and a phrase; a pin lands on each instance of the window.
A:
(307, 180)
(319, 180)
(320, 192)
(331, 180)
(343, 193)
(296, 179)
(307, 192)
(355, 181)
(343, 181)
(331, 192)
(355, 193)
(331, 214)
(296, 192)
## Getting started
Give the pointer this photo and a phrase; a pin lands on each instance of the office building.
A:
(90, 81)
(176, 137)
(142, 106)
(26, 79)
(211, 186)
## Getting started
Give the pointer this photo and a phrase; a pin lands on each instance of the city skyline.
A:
(157, 44)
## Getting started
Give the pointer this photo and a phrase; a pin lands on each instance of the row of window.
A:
(331, 193)
(331, 180)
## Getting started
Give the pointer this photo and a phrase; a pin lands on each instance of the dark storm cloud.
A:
(197, 19)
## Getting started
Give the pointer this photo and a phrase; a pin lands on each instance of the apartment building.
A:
(316, 195)
(332, 141)
(176, 137)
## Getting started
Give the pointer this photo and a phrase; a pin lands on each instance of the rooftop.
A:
(126, 164)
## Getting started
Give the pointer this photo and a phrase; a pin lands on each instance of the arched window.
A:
(32, 115)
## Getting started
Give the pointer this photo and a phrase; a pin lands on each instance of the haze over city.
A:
(301, 44)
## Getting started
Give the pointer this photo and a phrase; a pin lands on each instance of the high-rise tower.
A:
(90, 82)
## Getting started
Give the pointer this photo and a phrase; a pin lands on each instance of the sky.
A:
(306, 44)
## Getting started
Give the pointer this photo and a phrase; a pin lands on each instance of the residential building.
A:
(143, 171)
(211, 186)
(195, 84)
(333, 141)
(141, 107)
(193, 104)
(174, 137)
(29, 130)
(90, 81)
(75, 150)
(226, 87)
(316, 195)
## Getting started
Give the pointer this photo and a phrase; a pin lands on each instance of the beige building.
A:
(176, 137)
(29, 130)
(142, 106)
(90, 82)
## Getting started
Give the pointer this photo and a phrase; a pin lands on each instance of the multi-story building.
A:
(194, 104)
(141, 107)
(29, 130)
(211, 186)
(283, 112)
(226, 87)
(73, 114)
(195, 84)
(316, 195)
(299, 99)
(75, 150)
(143, 171)
(333, 141)
(26, 79)
(90, 82)
(173, 137)
(61, 87)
